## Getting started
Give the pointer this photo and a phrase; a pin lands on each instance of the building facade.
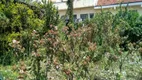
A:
(84, 9)
(113, 5)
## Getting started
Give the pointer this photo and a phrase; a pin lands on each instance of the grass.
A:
(8, 73)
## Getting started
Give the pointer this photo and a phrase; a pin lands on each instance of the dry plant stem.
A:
(46, 73)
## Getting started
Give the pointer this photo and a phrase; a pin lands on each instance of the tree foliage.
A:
(16, 18)
(51, 15)
(70, 10)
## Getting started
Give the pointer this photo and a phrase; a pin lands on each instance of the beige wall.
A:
(79, 11)
(138, 8)
(76, 4)
(89, 10)
(115, 10)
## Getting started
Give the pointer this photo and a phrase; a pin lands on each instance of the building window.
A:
(91, 15)
(83, 16)
(75, 17)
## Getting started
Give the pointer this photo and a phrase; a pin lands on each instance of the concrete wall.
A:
(89, 10)
(76, 4)
(138, 8)
(115, 10)
(79, 11)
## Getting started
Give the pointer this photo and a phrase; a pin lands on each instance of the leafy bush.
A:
(15, 18)
(77, 57)
(45, 51)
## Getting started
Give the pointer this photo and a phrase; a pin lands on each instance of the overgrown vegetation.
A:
(36, 46)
